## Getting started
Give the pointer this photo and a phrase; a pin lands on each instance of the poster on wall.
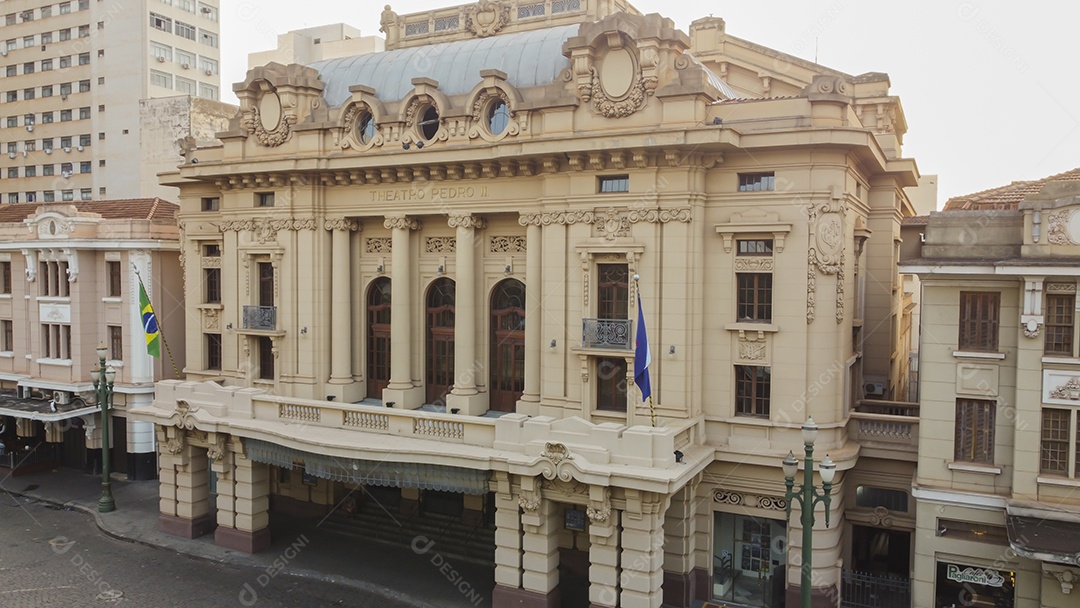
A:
(961, 585)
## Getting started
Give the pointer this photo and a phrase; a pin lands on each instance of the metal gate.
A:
(862, 590)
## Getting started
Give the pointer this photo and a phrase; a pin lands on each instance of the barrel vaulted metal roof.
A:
(532, 58)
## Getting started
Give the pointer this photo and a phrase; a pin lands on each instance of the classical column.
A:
(533, 268)
(643, 557)
(464, 396)
(400, 390)
(340, 302)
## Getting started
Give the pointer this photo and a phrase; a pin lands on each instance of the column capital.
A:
(466, 220)
(342, 223)
(401, 222)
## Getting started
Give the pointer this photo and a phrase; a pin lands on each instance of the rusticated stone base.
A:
(186, 528)
(677, 589)
(507, 597)
(238, 540)
(701, 583)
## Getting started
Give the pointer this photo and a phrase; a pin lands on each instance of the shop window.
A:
(964, 585)
(749, 560)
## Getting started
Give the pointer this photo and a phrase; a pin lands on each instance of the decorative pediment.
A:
(275, 97)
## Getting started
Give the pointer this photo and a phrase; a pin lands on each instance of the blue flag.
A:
(642, 355)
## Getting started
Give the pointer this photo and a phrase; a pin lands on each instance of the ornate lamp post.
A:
(104, 388)
(808, 497)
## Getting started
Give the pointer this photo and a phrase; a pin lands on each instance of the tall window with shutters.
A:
(975, 419)
(980, 313)
(1059, 323)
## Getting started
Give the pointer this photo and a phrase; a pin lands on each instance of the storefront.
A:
(963, 585)
(749, 560)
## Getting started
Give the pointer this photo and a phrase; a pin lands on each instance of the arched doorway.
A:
(507, 345)
(439, 379)
(378, 337)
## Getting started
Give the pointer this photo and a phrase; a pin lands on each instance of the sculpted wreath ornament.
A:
(605, 106)
(270, 139)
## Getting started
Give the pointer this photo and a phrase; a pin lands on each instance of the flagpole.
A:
(643, 356)
(161, 330)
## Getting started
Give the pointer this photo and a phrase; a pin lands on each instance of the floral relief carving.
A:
(529, 502)
(752, 351)
(611, 108)
(1058, 233)
(600, 510)
(211, 262)
(826, 254)
(217, 449)
(212, 319)
(507, 244)
(479, 111)
(611, 225)
(266, 230)
(753, 264)
(379, 244)
(661, 216)
(440, 244)
(487, 17)
(174, 445)
(1070, 390)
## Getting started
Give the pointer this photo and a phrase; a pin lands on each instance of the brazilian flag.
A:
(150, 326)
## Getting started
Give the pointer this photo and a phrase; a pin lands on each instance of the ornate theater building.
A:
(413, 278)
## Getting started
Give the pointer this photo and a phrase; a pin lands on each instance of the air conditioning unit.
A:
(11, 155)
(160, 59)
(24, 153)
(48, 150)
(67, 174)
(80, 148)
(4, 53)
(185, 65)
(61, 397)
(67, 149)
(874, 389)
(205, 9)
(63, 98)
(30, 128)
(209, 72)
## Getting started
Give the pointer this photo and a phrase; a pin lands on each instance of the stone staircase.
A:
(452, 538)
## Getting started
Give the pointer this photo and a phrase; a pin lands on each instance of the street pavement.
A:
(302, 559)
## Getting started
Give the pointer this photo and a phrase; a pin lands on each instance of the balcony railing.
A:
(605, 333)
(261, 318)
(862, 590)
(891, 427)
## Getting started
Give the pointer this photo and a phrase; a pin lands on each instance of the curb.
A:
(312, 575)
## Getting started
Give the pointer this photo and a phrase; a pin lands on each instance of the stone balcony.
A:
(886, 429)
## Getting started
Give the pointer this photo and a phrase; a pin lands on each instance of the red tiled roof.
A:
(153, 209)
(917, 220)
(1006, 197)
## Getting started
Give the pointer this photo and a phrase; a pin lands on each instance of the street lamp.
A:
(808, 497)
(104, 388)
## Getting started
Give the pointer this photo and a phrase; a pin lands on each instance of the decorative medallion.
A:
(604, 105)
(611, 225)
(826, 254)
(1064, 227)
(487, 17)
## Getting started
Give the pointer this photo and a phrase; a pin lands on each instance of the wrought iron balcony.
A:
(605, 333)
(260, 318)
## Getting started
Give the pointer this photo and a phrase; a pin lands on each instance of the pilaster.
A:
(533, 289)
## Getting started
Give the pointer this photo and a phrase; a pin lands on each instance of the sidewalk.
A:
(299, 548)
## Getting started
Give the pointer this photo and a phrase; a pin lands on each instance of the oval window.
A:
(429, 123)
(498, 116)
(365, 128)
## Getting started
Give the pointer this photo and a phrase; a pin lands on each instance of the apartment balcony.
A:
(886, 429)
(611, 334)
(260, 318)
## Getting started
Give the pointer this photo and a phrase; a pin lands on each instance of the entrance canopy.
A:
(1045, 539)
(369, 472)
(44, 410)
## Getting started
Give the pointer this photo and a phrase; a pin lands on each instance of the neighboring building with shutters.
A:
(68, 283)
(417, 271)
(999, 449)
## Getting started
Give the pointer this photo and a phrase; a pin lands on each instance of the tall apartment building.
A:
(414, 280)
(997, 501)
(74, 73)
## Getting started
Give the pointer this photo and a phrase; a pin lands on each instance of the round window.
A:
(429, 123)
(498, 116)
(365, 128)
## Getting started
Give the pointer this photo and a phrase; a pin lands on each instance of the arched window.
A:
(378, 337)
(439, 377)
(507, 367)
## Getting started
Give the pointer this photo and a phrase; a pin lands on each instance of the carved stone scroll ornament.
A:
(217, 448)
(1058, 233)
(174, 445)
(466, 221)
(401, 222)
(881, 517)
(487, 17)
(185, 415)
(654, 215)
(343, 224)
(558, 458)
(826, 254)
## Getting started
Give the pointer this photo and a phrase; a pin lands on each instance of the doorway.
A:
(507, 345)
(440, 341)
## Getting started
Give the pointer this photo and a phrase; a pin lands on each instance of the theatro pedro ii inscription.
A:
(428, 194)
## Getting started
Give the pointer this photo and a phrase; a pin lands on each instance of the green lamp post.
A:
(808, 497)
(103, 383)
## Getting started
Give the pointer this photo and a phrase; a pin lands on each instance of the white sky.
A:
(988, 86)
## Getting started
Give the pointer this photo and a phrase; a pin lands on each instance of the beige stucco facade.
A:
(1006, 508)
(312, 44)
(75, 73)
(376, 229)
(71, 282)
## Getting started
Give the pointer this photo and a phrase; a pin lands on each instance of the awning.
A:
(369, 472)
(1046, 540)
(44, 410)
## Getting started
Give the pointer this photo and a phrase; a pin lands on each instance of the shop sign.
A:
(975, 576)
